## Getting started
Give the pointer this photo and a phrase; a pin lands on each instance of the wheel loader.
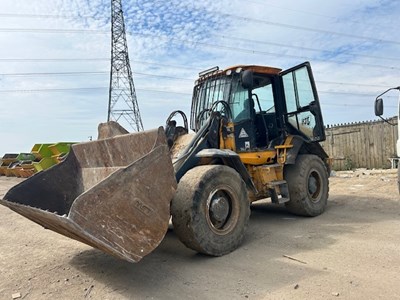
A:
(254, 134)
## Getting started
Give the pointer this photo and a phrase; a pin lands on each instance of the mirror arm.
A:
(394, 88)
(387, 121)
(383, 119)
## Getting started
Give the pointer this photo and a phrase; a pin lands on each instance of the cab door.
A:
(303, 111)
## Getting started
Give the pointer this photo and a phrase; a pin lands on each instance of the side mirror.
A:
(247, 79)
(378, 107)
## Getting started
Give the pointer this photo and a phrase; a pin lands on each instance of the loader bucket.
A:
(112, 194)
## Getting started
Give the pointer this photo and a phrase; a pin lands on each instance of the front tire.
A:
(210, 210)
(308, 186)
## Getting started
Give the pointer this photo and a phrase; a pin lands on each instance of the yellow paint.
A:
(281, 150)
(262, 176)
(258, 158)
(227, 142)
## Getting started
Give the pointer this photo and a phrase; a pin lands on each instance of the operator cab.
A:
(264, 104)
(253, 109)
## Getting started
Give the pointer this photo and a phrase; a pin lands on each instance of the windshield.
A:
(217, 89)
(229, 89)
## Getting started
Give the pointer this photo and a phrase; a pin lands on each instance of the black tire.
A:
(210, 210)
(308, 186)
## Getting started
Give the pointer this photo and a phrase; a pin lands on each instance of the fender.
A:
(230, 159)
(302, 146)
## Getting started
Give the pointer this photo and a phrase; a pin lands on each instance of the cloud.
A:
(171, 41)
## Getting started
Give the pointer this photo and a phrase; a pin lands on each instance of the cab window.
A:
(265, 98)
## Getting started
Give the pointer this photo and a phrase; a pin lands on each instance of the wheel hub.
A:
(314, 186)
(219, 210)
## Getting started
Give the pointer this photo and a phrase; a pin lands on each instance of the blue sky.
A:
(54, 58)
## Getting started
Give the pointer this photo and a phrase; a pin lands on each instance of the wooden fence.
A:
(361, 145)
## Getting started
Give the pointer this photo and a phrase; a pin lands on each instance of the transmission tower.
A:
(122, 96)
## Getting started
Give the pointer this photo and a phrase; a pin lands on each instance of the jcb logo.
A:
(142, 207)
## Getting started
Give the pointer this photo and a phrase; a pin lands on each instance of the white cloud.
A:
(190, 35)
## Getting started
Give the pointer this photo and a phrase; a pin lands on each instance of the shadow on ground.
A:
(173, 271)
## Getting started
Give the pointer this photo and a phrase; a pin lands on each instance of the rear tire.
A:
(210, 210)
(308, 186)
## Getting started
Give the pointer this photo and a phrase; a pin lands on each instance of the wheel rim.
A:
(314, 186)
(221, 211)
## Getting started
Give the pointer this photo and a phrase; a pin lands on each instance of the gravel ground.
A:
(352, 251)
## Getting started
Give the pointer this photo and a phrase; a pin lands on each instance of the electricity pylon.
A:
(122, 95)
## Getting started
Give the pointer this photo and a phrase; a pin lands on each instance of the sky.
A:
(55, 57)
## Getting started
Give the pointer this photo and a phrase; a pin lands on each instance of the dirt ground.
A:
(352, 251)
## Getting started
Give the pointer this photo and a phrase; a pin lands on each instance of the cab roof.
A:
(216, 72)
(256, 69)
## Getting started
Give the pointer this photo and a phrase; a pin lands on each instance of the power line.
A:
(44, 16)
(81, 73)
(53, 74)
(96, 31)
(250, 51)
(231, 48)
(155, 90)
(305, 48)
(38, 60)
(353, 84)
(91, 89)
(294, 10)
(6, 60)
(308, 13)
(235, 17)
(49, 90)
(302, 28)
(88, 89)
(352, 105)
(347, 93)
(54, 30)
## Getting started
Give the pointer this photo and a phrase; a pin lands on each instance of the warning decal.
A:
(243, 134)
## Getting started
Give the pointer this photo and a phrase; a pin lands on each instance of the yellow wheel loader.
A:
(256, 135)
